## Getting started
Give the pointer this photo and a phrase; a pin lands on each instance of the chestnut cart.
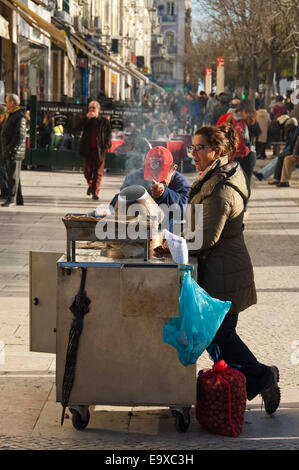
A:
(120, 358)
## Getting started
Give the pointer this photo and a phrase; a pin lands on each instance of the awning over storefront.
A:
(4, 30)
(95, 51)
(81, 44)
(154, 85)
(106, 59)
(55, 35)
(139, 75)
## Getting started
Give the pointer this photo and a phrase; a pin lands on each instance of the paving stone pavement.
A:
(30, 416)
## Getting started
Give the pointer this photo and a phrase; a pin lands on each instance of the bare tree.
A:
(255, 33)
(281, 36)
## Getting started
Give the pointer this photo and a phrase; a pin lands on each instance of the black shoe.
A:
(260, 157)
(88, 192)
(258, 176)
(271, 392)
(8, 204)
(283, 185)
(94, 196)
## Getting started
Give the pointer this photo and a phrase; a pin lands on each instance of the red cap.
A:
(157, 164)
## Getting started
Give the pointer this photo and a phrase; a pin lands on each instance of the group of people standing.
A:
(253, 130)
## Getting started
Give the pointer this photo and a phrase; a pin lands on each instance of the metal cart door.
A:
(43, 286)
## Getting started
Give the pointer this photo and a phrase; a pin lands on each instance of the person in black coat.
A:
(3, 173)
(95, 141)
(220, 108)
(13, 138)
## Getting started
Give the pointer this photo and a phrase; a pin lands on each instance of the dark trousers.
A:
(248, 163)
(93, 170)
(261, 149)
(235, 353)
(3, 179)
(279, 165)
(14, 189)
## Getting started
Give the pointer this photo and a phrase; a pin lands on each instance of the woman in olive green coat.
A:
(225, 270)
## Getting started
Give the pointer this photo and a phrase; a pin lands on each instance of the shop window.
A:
(32, 69)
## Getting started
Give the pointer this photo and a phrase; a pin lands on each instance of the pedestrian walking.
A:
(95, 141)
(161, 130)
(220, 108)
(13, 138)
(224, 266)
(202, 103)
(264, 121)
(195, 114)
(211, 103)
(3, 172)
(243, 120)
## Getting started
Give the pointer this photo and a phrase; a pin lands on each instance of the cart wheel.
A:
(77, 421)
(182, 420)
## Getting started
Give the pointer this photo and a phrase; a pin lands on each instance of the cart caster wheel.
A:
(77, 421)
(181, 420)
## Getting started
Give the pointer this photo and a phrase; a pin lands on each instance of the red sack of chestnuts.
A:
(221, 399)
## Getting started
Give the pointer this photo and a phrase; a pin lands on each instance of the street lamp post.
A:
(295, 65)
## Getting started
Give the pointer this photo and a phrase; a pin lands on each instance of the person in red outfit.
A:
(95, 141)
(279, 108)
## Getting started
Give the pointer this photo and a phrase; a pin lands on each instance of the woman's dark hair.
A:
(222, 137)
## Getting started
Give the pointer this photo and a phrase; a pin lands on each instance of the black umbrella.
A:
(79, 308)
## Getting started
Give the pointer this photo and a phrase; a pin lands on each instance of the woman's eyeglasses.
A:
(198, 148)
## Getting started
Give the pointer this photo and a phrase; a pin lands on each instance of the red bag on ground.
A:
(221, 399)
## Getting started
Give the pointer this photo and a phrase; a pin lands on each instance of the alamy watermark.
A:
(295, 95)
(2, 353)
(295, 353)
(139, 221)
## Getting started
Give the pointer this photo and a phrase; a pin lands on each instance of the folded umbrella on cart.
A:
(79, 308)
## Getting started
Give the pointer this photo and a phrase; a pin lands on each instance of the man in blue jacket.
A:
(160, 177)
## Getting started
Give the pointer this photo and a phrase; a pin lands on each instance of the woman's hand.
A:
(161, 250)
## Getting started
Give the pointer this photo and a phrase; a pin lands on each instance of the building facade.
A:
(74, 50)
(168, 50)
(8, 49)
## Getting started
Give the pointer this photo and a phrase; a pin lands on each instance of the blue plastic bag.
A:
(200, 316)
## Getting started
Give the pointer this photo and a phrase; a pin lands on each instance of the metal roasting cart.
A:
(121, 358)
